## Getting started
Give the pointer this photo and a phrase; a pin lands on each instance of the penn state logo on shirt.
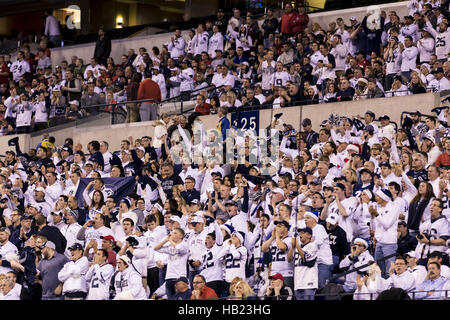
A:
(110, 190)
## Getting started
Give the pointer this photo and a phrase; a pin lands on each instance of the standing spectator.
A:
(409, 56)
(49, 268)
(385, 219)
(177, 249)
(102, 47)
(149, 89)
(73, 274)
(52, 29)
(177, 45)
(132, 94)
(300, 21)
(19, 67)
(287, 21)
(71, 87)
(4, 71)
(128, 282)
(98, 276)
(270, 24)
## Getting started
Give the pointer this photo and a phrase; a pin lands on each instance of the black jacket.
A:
(406, 244)
(54, 235)
(102, 49)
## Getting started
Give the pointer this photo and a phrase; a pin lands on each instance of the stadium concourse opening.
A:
(249, 151)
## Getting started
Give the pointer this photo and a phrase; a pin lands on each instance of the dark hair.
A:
(401, 258)
(94, 144)
(129, 220)
(104, 253)
(212, 235)
(428, 193)
(150, 218)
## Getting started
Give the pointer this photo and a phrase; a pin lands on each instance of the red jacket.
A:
(207, 294)
(149, 89)
(287, 22)
(204, 109)
(299, 23)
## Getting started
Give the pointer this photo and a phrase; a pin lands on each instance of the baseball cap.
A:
(385, 117)
(306, 229)
(182, 279)
(75, 102)
(76, 246)
(57, 213)
(385, 164)
(125, 259)
(231, 203)
(352, 18)
(438, 70)
(332, 219)
(50, 244)
(68, 149)
(277, 276)
(194, 201)
(411, 254)
(175, 218)
(285, 223)
(197, 219)
(369, 129)
(109, 238)
(39, 189)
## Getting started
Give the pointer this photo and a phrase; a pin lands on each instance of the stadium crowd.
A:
(227, 214)
(236, 63)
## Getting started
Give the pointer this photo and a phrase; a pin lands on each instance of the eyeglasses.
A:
(197, 282)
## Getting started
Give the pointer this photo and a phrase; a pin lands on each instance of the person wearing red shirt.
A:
(149, 89)
(201, 291)
(4, 71)
(108, 244)
(300, 21)
(444, 158)
(287, 20)
(201, 106)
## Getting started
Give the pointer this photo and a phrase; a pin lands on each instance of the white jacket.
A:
(426, 48)
(215, 43)
(128, 283)
(40, 112)
(177, 47)
(24, 113)
(99, 278)
(73, 275)
(385, 224)
(409, 58)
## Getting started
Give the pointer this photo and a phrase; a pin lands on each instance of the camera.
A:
(420, 236)
(132, 241)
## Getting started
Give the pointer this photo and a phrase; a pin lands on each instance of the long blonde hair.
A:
(247, 289)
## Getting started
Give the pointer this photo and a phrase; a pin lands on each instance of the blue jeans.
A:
(162, 275)
(170, 287)
(191, 276)
(383, 250)
(324, 273)
(304, 294)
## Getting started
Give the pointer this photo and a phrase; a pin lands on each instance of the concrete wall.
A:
(392, 107)
(120, 46)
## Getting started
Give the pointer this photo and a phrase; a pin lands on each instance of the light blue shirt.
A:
(430, 285)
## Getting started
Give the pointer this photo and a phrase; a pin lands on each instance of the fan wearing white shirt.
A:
(409, 56)
(177, 45)
(215, 42)
(19, 67)
(280, 77)
(94, 67)
(425, 46)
